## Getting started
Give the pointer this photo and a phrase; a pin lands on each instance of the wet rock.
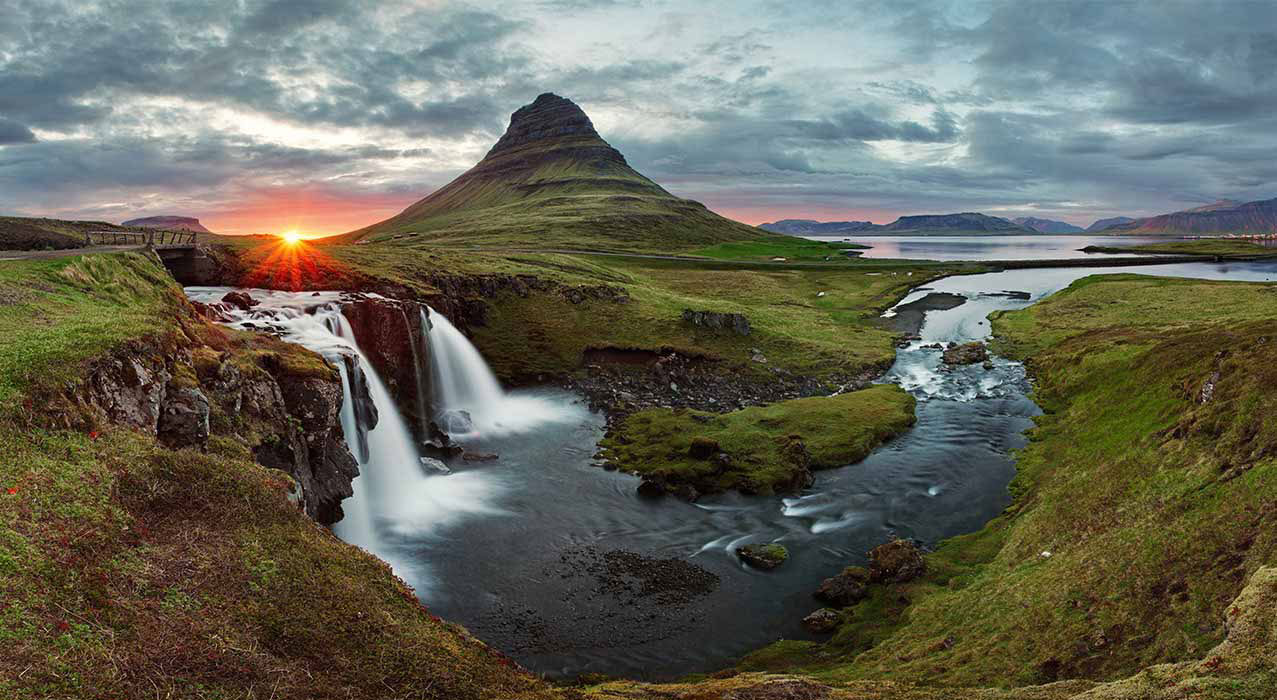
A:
(432, 465)
(392, 336)
(703, 448)
(183, 420)
(822, 621)
(651, 488)
(456, 421)
(128, 389)
(737, 323)
(897, 561)
(966, 354)
(846, 589)
(763, 556)
(480, 456)
(240, 300)
(326, 468)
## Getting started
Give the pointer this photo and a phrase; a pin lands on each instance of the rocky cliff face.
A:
(187, 393)
(392, 336)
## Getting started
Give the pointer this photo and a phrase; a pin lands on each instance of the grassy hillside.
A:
(1144, 503)
(552, 181)
(130, 570)
(22, 233)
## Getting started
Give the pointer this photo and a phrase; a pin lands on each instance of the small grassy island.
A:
(761, 449)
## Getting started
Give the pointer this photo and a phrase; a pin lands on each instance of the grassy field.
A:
(1144, 503)
(759, 441)
(792, 249)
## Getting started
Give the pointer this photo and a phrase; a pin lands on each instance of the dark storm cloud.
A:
(893, 105)
(13, 132)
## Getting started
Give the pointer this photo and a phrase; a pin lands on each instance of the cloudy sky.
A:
(264, 115)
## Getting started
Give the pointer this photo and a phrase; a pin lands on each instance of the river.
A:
(561, 565)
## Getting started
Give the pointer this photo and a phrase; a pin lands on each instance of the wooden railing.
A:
(152, 238)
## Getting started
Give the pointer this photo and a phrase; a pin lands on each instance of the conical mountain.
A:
(552, 181)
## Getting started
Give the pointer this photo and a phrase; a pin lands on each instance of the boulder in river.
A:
(763, 556)
(965, 354)
(897, 561)
(240, 300)
(845, 589)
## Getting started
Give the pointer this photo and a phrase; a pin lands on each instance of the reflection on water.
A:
(1028, 247)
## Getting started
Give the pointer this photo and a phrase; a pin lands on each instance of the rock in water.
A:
(456, 421)
(966, 354)
(763, 556)
(845, 589)
(240, 300)
(897, 561)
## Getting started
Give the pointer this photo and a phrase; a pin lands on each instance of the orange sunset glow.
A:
(309, 212)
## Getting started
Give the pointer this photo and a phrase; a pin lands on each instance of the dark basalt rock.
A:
(846, 589)
(183, 420)
(898, 561)
(392, 337)
(736, 323)
(240, 300)
(822, 621)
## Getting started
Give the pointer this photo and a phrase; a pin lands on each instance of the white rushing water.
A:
(396, 501)
(464, 383)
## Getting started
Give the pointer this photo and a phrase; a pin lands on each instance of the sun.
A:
(291, 237)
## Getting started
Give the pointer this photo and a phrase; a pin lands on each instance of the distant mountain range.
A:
(923, 224)
(551, 180)
(1103, 224)
(799, 227)
(1224, 216)
(1047, 225)
(169, 223)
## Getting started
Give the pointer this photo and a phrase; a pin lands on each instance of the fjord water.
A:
(1026, 247)
(511, 548)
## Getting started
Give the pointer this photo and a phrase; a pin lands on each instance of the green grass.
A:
(56, 314)
(1156, 508)
(792, 249)
(760, 440)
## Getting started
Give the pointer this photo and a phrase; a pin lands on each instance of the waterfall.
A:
(469, 401)
(396, 502)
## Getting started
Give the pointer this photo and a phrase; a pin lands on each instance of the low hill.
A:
(169, 223)
(965, 222)
(1105, 224)
(1046, 225)
(1224, 216)
(552, 181)
(23, 233)
(809, 227)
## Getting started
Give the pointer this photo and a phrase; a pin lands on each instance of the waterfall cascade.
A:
(469, 400)
(395, 500)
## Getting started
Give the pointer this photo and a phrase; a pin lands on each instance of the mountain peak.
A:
(548, 117)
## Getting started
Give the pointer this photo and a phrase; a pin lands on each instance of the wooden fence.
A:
(153, 238)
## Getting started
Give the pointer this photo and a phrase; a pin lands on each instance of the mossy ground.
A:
(1140, 511)
(758, 441)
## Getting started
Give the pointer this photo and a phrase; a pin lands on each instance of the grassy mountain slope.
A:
(1225, 216)
(552, 181)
